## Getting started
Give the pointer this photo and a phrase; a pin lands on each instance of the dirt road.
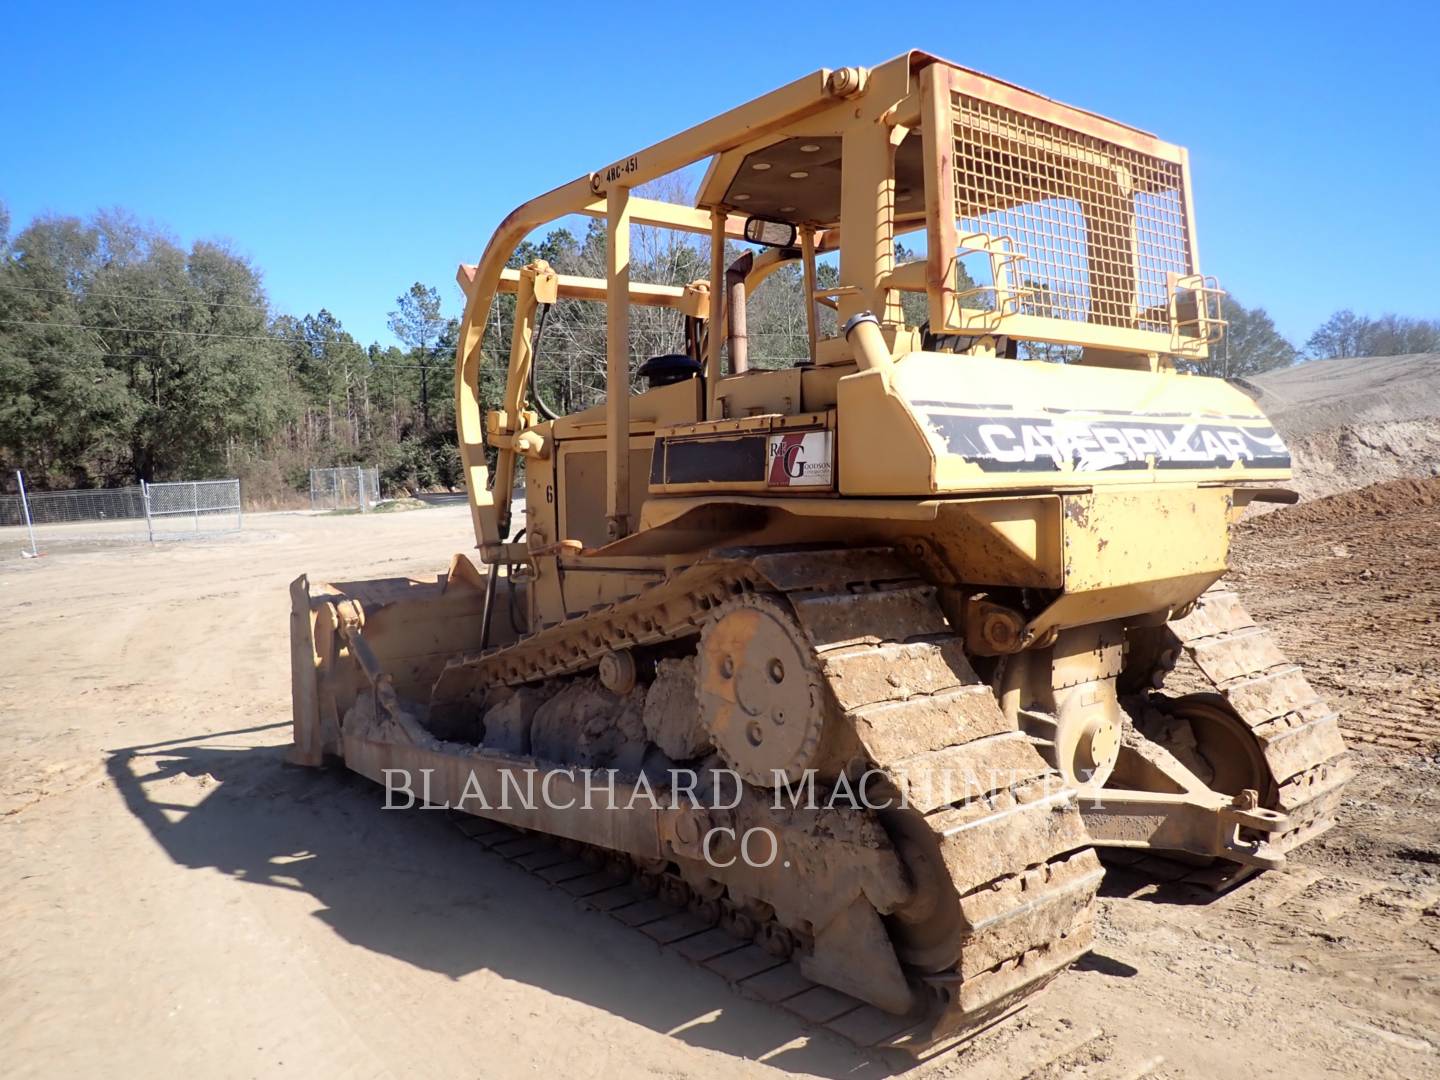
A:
(174, 898)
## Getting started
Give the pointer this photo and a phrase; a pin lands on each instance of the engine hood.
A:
(977, 424)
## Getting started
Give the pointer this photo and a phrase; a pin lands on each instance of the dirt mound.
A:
(1339, 459)
(1349, 390)
(1375, 501)
(1354, 421)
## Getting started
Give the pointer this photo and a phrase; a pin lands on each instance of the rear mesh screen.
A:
(1097, 226)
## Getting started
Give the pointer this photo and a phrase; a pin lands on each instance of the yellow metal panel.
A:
(1126, 537)
(758, 392)
(678, 403)
(1002, 424)
(581, 474)
(1002, 541)
(883, 448)
(1135, 551)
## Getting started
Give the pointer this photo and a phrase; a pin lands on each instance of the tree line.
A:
(1252, 344)
(125, 356)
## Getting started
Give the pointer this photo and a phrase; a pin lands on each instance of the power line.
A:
(84, 294)
(272, 338)
(391, 364)
(269, 338)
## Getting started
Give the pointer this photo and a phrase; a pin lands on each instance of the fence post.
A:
(25, 507)
(360, 487)
(195, 502)
(145, 498)
(239, 509)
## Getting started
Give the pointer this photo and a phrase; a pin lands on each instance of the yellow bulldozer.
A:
(861, 659)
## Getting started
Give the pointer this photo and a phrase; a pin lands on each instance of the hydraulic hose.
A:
(541, 405)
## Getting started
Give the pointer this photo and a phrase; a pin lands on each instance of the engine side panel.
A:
(989, 424)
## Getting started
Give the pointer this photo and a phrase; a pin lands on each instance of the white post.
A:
(239, 507)
(145, 499)
(25, 508)
(195, 502)
(360, 486)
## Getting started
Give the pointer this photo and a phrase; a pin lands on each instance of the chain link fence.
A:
(39, 520)
(188, 507)
(346, 488)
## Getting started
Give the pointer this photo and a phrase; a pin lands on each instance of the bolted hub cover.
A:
(1083, 742)
(760, 692)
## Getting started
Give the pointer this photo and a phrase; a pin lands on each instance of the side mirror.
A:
(770, 233)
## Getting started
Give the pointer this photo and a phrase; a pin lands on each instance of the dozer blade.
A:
(411, 629)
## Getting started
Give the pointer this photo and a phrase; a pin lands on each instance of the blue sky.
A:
(351, 149)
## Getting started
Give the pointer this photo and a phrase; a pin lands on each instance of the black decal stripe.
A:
(1046, 444)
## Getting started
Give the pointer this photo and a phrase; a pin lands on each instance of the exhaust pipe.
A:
(735, 308)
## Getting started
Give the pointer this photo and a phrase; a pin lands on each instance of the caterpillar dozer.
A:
(925, 567)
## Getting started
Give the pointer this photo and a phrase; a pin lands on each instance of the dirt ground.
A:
(174, 899)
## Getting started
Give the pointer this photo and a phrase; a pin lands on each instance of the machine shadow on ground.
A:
(1161, 880)
(409, 884)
